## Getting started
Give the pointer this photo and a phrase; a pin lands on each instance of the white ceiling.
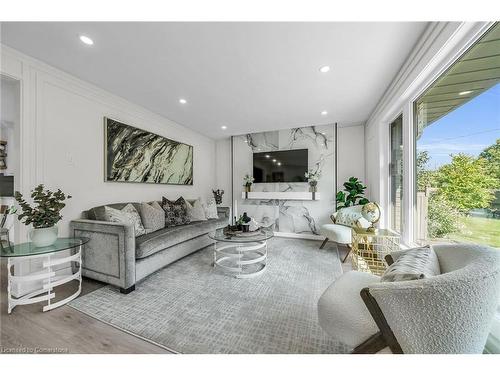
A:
(247, 76)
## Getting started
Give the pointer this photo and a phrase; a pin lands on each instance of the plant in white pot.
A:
(44, 216)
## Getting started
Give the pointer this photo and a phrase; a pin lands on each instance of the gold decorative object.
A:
(371, 213)
(369, 249)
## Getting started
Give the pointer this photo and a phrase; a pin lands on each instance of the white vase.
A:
(42, 237)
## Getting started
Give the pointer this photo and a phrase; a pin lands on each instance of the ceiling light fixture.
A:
(324, 69)
(279, 164)
(182, 101)
(465, 92)
(85, 39)
(223, 127)
(267, 156)
(274, 160)
(324, 113)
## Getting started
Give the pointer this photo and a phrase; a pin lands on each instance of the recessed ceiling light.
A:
(324, 113)
(223, 127)
(465, 92)
(85, 39)
(324, 69)
(274, 160)
(279, 163)
(182, 101)
(267, 156)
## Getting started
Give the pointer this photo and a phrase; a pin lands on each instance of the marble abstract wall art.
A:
(135, 155)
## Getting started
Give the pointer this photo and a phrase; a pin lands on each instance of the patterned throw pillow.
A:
(196, 211)
(127, 215)
(351, 217)
(414, 264)
(211, 209)
(176, 213)
(153, 216)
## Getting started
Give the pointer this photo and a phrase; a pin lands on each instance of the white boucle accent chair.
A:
(448, 313)
(342, 234)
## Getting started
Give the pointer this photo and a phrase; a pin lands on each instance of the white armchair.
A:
(341, 233)
(448, 313)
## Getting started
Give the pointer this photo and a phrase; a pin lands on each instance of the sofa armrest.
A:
(223, 211)
(109, 256)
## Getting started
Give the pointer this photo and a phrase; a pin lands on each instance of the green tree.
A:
(443, 219)
(425, 178)
(465, 183)
(492, 157)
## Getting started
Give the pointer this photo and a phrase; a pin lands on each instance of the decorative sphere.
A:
(371, 212)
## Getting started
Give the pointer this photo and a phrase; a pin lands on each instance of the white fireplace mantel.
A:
(282, 195)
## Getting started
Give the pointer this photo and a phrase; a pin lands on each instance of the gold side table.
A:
(370, 248)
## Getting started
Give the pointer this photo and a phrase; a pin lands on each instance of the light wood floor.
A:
(63, 329)
(67, 330)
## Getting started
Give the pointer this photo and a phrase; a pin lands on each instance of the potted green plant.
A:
(312, 178)
(248, 181)
(44, 215)
(352, 195)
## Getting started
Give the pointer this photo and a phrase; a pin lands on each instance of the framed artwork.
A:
(136, 155)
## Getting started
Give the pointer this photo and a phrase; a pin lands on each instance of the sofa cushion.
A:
(211, 209)
(351, 217)
(164, 238)
(413, 264)
(196, 211)
(127, 215)
(97, 213)
(176, 213)
(153, 216)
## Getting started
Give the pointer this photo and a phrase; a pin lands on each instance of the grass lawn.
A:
(479, 230)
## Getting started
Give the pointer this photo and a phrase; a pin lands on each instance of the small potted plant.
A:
(248, 180)
(44, 215)
(312, 178)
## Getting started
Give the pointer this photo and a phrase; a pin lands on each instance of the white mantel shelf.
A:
(281, 195)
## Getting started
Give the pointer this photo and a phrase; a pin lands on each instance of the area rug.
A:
(190, 307)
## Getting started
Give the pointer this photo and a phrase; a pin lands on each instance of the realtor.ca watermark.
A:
(32, 350)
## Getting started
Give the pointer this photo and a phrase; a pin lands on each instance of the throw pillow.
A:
(349, 216)
(196, 211)
(175, 212)
(211, 209)
(153, 218)
(127, 215)
(156, 205)
(414, 264)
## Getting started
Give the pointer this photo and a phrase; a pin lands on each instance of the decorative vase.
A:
(248, 188)
(42, 237)
(313, 186)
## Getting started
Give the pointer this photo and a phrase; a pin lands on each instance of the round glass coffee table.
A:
(241, 255)
(24, 252)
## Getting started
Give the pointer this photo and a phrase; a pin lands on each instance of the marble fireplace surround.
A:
(288, 206)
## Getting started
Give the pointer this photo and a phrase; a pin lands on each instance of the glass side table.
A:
(24, 252)
(370, 248)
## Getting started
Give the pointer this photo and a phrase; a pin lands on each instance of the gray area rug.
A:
(188, 307)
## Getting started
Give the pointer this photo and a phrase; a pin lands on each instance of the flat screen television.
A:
(280, 166)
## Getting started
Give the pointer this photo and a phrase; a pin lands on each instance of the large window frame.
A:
(404, 103)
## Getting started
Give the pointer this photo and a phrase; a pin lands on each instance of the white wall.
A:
(350, 154)
(223, 169)
(62, 141)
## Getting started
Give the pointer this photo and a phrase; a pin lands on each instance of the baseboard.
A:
(304, 236)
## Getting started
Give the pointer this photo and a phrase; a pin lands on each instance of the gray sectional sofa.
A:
(115, 256)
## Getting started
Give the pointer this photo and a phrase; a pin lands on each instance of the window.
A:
(457, 157)
(396, 174)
